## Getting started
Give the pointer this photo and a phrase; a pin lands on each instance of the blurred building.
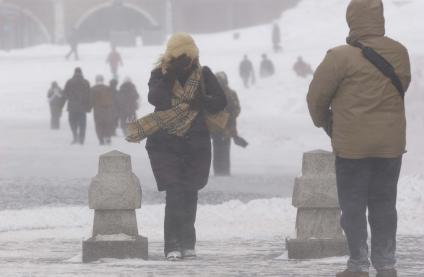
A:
(203, 16)
(25, 23)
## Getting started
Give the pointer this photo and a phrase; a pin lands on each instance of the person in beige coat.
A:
(364, 114)
(104, 110)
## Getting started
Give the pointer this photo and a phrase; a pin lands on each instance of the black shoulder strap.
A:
(383, 65)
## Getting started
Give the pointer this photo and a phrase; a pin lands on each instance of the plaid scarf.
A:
(175, 121)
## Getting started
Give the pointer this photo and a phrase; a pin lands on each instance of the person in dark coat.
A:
(77, 93)
(73, 41)
(302, 69)
(222, 139)
(103, 103)
(180, 155)
(127, 100)
(247, 73)
(267, 68)
(56, 100)
(276, 38)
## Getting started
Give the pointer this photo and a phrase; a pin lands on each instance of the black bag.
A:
(240, 141)
(381, 64)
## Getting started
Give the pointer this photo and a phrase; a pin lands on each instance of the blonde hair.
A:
(177, 45)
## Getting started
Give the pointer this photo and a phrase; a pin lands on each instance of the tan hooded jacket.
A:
(368, 114)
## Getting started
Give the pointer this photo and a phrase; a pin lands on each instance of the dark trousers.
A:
(221, 155)
(78, 123)
(369, 183)
(180, 216)
(104, 128)
(73, 50)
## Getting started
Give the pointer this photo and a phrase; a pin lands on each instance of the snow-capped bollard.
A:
(318, 230)
(115, 194)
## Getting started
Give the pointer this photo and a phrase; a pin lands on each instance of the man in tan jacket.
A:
(364, 114)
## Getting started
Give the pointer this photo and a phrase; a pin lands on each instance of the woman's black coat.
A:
(183, 161)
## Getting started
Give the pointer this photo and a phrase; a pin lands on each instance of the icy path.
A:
(218, 258)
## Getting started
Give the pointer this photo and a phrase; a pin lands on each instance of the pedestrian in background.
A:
(104, 110)
(77, 94)
(114, 60)
(302, 69)
(247, 72)
(267, 68)
(128, 103)
(276, 38)
(221, 139)
(56, 100)
(73, 41)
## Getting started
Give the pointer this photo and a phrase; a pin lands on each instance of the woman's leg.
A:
(188, 231)
(174, 216)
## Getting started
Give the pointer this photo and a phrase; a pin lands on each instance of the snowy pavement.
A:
(236, 238)
(55, 257)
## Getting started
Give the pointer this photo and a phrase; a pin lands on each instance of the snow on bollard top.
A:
(115, 162)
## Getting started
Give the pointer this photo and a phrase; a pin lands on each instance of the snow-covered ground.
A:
(256, 219)
(274, 120)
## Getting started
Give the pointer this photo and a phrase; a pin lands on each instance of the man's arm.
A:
(322, 89)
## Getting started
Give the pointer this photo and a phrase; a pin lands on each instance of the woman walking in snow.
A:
(185, 96)
(56, 102)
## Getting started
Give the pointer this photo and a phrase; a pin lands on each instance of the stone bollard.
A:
(318, 230)
(115, 194)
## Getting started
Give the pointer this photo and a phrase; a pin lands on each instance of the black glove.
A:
(179, 64)
(170, 77)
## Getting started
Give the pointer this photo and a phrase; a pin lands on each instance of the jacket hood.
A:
(365, 18)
